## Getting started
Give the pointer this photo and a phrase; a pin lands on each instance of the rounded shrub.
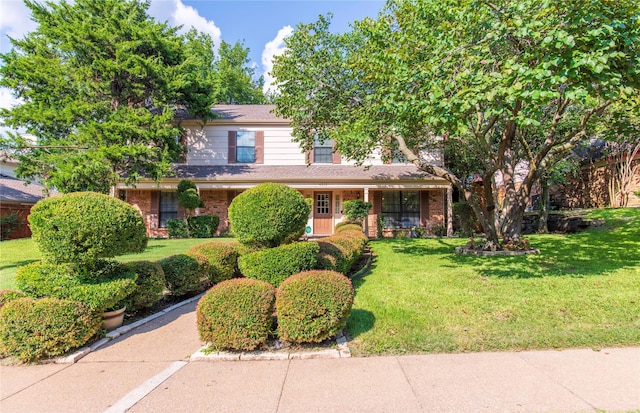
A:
(150, 285)
(274, 265)
(347, 226)
(340, 251)
(268, 214)
(313, 306)
(185, 273)
(84, 226)
(31, 329)
(104, 289)
(222, 258)
(203, 226)
(8, 295)
(236, 314)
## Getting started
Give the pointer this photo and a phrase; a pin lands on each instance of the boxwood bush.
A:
(185, 273)
(313, 306)
(150, 285)
(268, 214)
(222, 257)
(31, 328)
(8, 295)
(177, 228)
(347, 226)
(341, 250)
(274, 265)
(105, 290)
(236, 314)
(84, 226)
(203, 226)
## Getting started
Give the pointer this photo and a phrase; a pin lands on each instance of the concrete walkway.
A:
(148, 370)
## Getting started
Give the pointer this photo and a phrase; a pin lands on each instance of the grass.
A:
(581, 291)
(16, 253)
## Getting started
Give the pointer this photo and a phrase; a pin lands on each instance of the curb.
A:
(120, 331)
(341, 352)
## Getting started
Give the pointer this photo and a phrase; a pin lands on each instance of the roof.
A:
(13, 190)
(323, 173)
(238, 113)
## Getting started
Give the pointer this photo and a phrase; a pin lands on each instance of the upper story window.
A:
(246, 147)
(322, 151)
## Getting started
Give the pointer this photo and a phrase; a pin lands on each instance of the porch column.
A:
(366, 221)
(449, 211)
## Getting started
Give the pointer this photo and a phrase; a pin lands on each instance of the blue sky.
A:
(260, 24)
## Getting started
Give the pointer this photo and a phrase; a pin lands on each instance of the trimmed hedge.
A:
(185, 273)
(177, 228)
(236, 314)
(268, 214)
(203, 226)
(150, 285)
(313, 306)
(347, 226)
(102, 291)
(8, 295)
(340, 251)
(222, 258)
(84, 226)
(31, 329)
(274, 265)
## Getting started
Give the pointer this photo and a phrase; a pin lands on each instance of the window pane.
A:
(244, 154)
(327, 143)
(322, 155)
(323, 204)
(401, 209)
(168, 207)
(245, 138)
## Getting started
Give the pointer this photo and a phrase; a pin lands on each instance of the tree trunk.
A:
(543, 222)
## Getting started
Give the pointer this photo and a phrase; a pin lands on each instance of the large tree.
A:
(98, 83)
(497, 83)
(235, 78)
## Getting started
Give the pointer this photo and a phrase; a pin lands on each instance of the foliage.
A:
(203, 226)
(31, 329)
(267, 215)
(274, 265)
(188, 197)
(222, 258)
(8, 295)
(235, 77)
(100, 291)
(498, 83)
(177, 228)
(99, 83)
(313, 306)
(347, 226)
(236, 314)
(341, 250)
(356, 209)
(84, 226)
(464, 220)
(9, 223)
(185, 273)
(150, 285)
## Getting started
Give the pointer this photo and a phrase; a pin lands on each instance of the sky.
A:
(261, 25)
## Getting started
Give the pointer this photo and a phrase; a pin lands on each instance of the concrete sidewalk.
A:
(148, 370)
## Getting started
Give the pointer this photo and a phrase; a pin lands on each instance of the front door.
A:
(322, 217)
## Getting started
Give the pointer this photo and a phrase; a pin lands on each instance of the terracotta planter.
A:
(112, 319)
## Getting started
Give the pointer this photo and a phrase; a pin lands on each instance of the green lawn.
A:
(21, 252)
(583, 290)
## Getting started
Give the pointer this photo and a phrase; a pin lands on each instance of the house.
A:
(17, 197)
(247, 145)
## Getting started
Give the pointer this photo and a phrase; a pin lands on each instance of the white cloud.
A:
(274, 48)
(177, 14)
(15, 21)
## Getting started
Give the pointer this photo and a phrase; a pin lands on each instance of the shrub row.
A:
(202, 226)
(222, 259)
(311, 306)
(274, 265)
(340, 251)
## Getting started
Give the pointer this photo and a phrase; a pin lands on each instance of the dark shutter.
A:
(260, 147)
(377, 202)
(154, 208)
(424, 208)
(232, 146)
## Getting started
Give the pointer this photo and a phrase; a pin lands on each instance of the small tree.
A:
(356, 210)
(188, 199)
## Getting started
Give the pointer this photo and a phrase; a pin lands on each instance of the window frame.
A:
(404, 215)
(166, 214)
(239, 135)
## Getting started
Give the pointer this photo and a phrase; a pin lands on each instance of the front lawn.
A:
(24, 251)
(583, 290)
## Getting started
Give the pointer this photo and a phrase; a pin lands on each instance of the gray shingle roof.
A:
(237, 113)
(15, 191)
(324, 173)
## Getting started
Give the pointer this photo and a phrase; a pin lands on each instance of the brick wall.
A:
(23, 211)
(141, 200)
(216, 203)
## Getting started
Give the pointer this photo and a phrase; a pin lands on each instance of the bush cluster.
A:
(150, 285)
(8, 295)
(222, 259)
(185, 273)
(236, 314)
(84, 226)
(274, 265)
(313, 306)
(102, 290)
(34, 328)
(268, 215)
(203, 226)
(340, 251)
(347, 226)
(177, 228)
